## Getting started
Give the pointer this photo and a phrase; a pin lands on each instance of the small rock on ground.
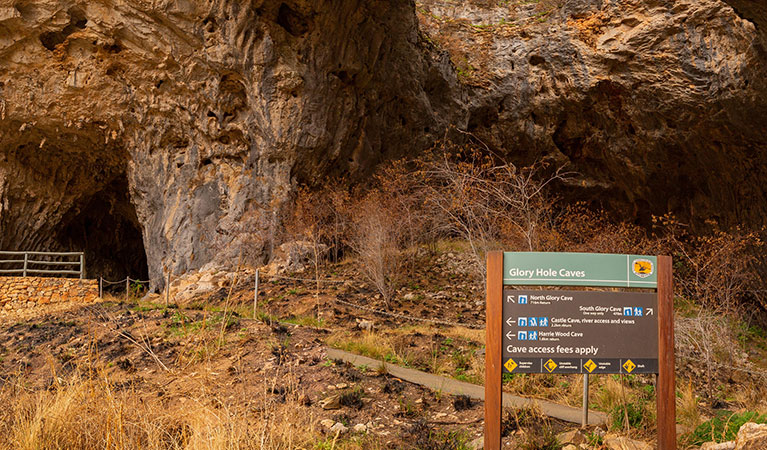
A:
(730, 445)
(332, 402)
(571, 437)
(339, 428)
(613, 442)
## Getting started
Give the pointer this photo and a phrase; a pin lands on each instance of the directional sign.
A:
(581, 332)
(551, 331)
(579, 269)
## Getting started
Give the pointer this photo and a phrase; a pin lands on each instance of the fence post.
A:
(101, 287)
(26, 258)
(255, 296)
(167, 290)
(82, 265)
(127, 289)
(585, 416)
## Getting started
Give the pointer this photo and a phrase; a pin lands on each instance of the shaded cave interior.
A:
(105, 227)
(69, 192)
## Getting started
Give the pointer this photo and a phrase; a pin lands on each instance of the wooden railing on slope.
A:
(29, 263)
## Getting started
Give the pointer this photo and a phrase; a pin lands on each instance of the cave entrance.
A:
(105, 226)
(66, 189)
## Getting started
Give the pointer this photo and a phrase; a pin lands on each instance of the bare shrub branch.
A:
(488, 202)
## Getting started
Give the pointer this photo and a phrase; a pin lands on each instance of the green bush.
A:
(723, 427)
(634, 412)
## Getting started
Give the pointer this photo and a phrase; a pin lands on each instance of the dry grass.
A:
(89, 411)
(469, 334)
(611, 395)
(687, 411)
(369, 343)
(452, 354)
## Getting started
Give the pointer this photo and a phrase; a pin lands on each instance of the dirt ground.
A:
(213, 348)
(209, 348)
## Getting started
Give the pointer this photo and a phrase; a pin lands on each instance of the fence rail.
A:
(32, 263)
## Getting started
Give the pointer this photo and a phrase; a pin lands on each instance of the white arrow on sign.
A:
(510, 298)
(510, 321)
(510, 335)
(649, 312)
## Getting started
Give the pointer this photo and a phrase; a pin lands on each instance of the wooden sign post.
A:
(666, 384)
(493, 343)
(586, 332)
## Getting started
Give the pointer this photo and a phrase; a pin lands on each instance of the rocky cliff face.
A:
(193, 121)
(175, 126)
(659, 106)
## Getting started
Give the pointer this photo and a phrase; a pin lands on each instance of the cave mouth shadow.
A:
(105, 226)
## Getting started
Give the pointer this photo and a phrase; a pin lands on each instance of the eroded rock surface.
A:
(182, 126)
(210, 112)
(659, 106)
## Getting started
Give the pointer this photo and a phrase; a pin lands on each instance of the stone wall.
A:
(19, 294)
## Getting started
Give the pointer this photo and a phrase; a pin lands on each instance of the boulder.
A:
(614, 442)
(571, 437)
(339, 428)
(751, 436)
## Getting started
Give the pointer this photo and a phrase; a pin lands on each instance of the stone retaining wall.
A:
(25, 293)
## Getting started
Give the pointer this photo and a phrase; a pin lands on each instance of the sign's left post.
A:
(493, 342)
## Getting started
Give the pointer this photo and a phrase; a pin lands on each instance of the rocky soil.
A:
(172, 354)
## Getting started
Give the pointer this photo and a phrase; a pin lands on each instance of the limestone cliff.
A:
(658, 105)
(173, 126)
(193, 120)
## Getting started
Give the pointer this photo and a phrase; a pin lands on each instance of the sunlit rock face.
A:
(187, 123)
(157, 135)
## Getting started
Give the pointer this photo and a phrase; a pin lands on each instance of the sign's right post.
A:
(666, 390)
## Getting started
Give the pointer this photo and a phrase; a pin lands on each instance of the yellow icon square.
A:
(550, 365)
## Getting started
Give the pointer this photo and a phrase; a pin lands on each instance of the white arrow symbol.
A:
(509, 335)
(510, 321)
(510, 298)
(649, 311)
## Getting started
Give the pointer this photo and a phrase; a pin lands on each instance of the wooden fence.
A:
(42, 263)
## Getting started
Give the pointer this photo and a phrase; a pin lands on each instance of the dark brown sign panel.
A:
(582, 331)
(579, 332)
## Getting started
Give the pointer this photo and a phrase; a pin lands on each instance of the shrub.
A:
(717, 270)
(723, 427)
(487, 201)
(375, 237)
(425, 437)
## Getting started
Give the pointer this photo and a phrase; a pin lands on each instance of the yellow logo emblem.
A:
(550, 365)
(642, 268)
(510, 365)
(590, 366)
(629, 366)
